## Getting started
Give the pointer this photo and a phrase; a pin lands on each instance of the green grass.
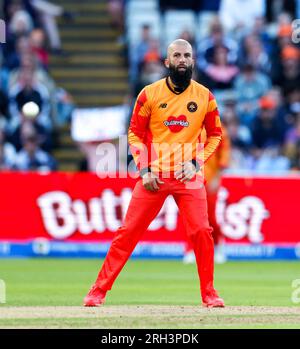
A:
(41, 282)
(210, 322)
(64, 282)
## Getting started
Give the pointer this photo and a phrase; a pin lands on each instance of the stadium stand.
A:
(111, 48)
(87, 70)
(250, 64)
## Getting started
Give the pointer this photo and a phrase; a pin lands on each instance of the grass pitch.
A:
(48, 293)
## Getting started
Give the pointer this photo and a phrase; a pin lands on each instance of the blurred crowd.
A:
(249, 58)
(26, 142)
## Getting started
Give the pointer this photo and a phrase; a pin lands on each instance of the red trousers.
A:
(211, 209)
(143, 208)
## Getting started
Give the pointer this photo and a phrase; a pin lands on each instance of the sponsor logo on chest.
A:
(176, 124)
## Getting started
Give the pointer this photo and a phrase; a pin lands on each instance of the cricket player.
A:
(164, 137)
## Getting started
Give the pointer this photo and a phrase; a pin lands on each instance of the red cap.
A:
(152, 56)
(285, 30)
(267, 102)
(290, 52)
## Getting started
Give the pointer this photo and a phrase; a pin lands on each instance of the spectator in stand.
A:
(253, 52)
(31, 157)
(151, 67)
(7, 152)
(152, 70)
(283, 40)
(260, 31)
(116, 11)
(293, 101)
(249, 87)
(47, 13)
(29, 61)
(216, 38)
(285, 107)
(266, 155)
(153, 51)
(239, 135)
(13, 61)
(19, 23)
(26, 90)
(289, 70)
(188, 36)
(284, 35)
(266, 131)
(138, 52)
(274, 9)
(220, 74)
(10, 6)
(37, 44)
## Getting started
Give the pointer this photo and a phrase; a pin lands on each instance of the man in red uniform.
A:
(164, 137)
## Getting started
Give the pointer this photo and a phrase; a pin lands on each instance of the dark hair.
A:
(248, 68)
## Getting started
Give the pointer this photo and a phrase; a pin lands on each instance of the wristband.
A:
(144, 171)
(196, 164)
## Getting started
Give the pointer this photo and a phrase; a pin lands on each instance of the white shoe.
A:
(220, 256)
(189, 258)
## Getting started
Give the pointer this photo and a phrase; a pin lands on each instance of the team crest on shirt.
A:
(192, 107)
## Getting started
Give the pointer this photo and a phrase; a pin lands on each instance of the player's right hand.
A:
(151, 181)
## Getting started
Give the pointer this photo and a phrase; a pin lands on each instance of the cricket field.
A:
(162, 294)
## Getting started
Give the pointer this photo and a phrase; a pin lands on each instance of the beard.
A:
(181, 79)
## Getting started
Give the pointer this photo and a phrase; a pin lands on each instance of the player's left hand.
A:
(186, 171)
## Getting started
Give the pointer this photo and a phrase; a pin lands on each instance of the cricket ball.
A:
(30, 110)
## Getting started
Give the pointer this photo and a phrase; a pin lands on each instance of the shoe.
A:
(95, 297)
(213, 301)
(189, 258)
(220, 256)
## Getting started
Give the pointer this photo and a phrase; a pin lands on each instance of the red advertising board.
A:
(74, 207)
(83, 207)
(260, 209)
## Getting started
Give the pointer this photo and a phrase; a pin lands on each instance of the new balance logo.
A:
(163, 105)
